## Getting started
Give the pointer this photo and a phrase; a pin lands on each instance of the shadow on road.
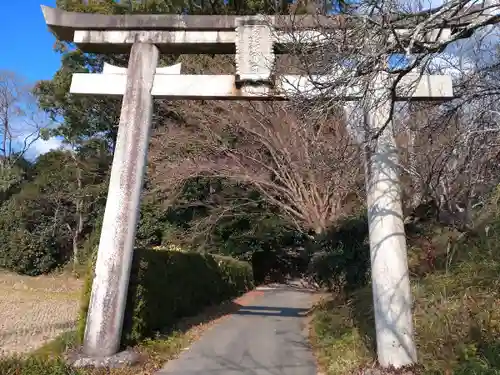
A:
(272, 311)
(232, 308)
(208, 315)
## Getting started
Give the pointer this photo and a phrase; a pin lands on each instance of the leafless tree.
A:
(446, 164)
(308, 170)
(20, 125)
(369, 37)
(449, 150)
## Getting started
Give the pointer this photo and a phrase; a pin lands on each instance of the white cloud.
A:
(429, 4)
(451, 64)
(466, 55)
(41, 146)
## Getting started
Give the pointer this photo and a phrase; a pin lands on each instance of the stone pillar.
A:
(114, 258)
(390, 279)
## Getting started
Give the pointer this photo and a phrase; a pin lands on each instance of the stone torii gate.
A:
(253, 40)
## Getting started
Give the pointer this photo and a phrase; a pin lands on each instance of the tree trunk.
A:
(79, 212)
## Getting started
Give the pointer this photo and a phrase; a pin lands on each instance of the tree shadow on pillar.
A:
(390, 276)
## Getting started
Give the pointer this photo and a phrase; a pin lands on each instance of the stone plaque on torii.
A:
(254, 41)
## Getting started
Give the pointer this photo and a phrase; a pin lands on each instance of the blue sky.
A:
(27, 49)
(27, 44)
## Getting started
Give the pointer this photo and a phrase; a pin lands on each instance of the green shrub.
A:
(85, 299)
(341, 256)
(168, 285)
(152, 223)
(31, 243)
(29, 253)
(35, 366)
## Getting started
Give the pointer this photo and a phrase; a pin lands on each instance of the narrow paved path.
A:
(267, 336)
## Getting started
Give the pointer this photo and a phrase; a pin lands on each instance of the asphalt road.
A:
(267, 336)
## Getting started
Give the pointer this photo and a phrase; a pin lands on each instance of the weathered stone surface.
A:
(114, 258)
(218, 42)
(254, 50)
(63, 23)
(122, 359)
(223, 87)
(183, 42)
(161, 70)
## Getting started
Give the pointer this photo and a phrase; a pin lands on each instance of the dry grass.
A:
(154, 352)
(34, 310)
(456, 314)
(47, 300)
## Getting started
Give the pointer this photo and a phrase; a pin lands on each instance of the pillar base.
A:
(407, 370)
(125, 358)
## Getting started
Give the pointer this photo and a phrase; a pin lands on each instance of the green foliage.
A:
(85, 298)
(341, 256)
(483, 359)
(229, 218)
(168, 285)
(61, 344)
(39, 223)
(153, 225)
(13, 172)
(85, 117)
(28, 238)
(30, 253)
(254, 230)
(91, 242)
(176, 6)
(35, 365)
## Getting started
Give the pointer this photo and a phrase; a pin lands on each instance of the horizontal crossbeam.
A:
(64, 24)
(224, 87)
(184, 42)
(120, 41)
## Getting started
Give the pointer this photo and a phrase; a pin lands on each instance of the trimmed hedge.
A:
(168, 285)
